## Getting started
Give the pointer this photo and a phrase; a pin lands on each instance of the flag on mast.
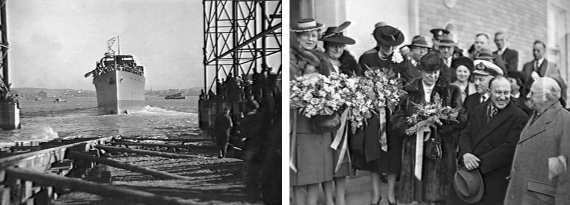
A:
(110, 43)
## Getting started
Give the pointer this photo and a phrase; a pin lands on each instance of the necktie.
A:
(492, 112)
(536, 67)
(483, 98)
(445, 61)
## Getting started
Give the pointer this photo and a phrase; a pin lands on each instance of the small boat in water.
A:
(58, 100)
(175, 96)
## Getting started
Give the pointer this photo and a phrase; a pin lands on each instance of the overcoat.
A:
(493, 141)
(437, 174)
(548, 136)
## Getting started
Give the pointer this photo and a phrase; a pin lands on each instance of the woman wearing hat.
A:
(463, 67)
(367, 153)
(311, 156)
(335, 47)
(437, 171)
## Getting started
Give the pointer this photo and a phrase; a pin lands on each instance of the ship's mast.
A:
(118, 45)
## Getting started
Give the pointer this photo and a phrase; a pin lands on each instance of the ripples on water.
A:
(79, 117)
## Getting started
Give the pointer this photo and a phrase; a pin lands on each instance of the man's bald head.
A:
(544, 92)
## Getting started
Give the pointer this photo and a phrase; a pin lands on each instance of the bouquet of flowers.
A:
(387, 91)
(358, 95)
(431, 114)
(316, 94)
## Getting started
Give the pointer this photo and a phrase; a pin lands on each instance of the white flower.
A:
(397, 57)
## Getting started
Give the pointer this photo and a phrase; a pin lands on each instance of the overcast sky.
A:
(54, 43)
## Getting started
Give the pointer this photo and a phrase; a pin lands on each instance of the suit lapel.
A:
(543, 68)
(532, 129)
(493, 124)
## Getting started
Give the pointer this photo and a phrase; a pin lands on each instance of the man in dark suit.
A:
(489, 140)
(542, 67)
(484, 71)
(418, 48)
(509, 56)
(539, 172)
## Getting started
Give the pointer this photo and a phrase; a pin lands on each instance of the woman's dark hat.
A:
(468, 185)
(388, 35)
(432, 61)
(335, 34)
(517, 75)
(307, 24)
(485, 54)
(446, 40)
(438, 32)
(419, 41)
(464, 61)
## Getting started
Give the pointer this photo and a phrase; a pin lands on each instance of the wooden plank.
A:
(146, 152)
(113, 163)
(166, 140)
(17, 159)
(75, 184)
(151, 144)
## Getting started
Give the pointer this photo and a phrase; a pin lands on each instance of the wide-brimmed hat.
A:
(432, 61)
(485, 54)
(463, 61)
(483, 67)
(419, 41)
(468, 185)
(336, 34)
(308, 24)
(388, 35)
(446, 40)
(438, 32)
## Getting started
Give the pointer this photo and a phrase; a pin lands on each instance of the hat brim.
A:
(470, 199)
(446, 44)
(399, 40)
(416, 45)
(340, 39)
(298, 29)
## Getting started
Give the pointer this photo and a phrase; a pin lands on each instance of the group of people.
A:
(253, 128)
(236, 88)
(508, 144)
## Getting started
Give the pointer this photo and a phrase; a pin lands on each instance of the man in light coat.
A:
(539, 173)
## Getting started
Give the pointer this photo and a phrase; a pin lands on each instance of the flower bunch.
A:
(316, 94)
(431, 114)
(387, 91)
(359, 100)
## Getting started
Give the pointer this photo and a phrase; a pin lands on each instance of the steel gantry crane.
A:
(240, 36)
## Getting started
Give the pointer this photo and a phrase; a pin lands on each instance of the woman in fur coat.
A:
(311, 155)
(437, 170)
(343, 62)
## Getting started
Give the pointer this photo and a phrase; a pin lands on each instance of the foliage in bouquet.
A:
(431, 114)
(359, 100)
(387, 90)
(316, 94)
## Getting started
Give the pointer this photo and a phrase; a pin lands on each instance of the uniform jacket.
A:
(473, 101)
(510, 58)
(548, 136)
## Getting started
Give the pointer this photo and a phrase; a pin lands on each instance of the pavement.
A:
(359, 191)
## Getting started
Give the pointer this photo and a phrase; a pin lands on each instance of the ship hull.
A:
(119, 92)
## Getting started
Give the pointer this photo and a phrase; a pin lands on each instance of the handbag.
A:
(433, 148)
(325, 123)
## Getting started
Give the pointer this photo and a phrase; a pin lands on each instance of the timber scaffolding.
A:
(36, 172)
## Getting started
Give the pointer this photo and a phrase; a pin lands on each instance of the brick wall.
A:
(523, 20)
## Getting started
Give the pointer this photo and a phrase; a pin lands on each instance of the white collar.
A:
(504, 49)
(540, 61)
(427, 88)
(517, 95)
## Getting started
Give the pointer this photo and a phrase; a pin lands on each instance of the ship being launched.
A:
(119, 83)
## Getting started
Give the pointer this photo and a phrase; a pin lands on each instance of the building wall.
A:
(523, 20)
